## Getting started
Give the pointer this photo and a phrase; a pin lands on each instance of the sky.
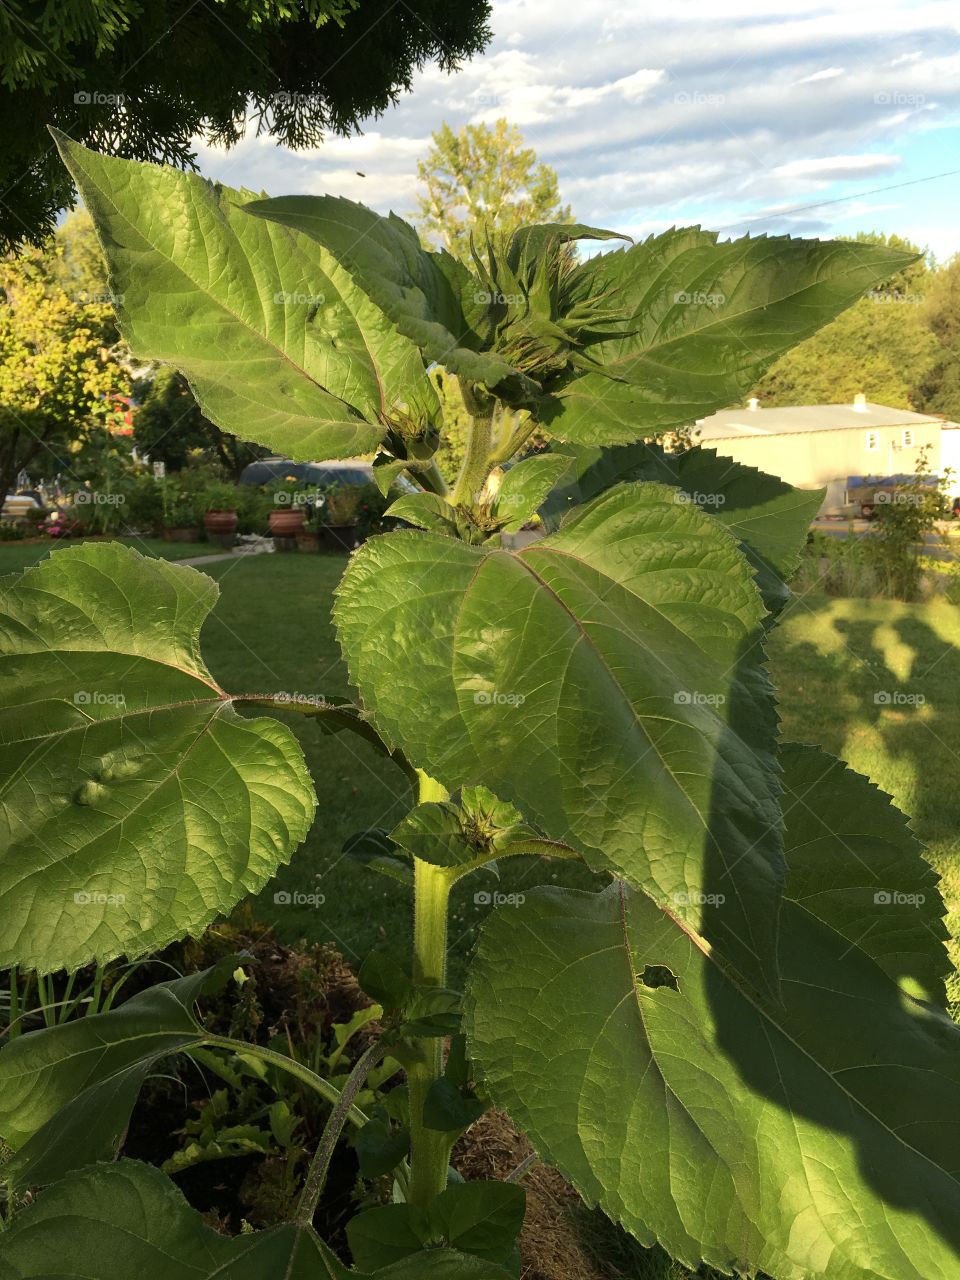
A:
(726, 114)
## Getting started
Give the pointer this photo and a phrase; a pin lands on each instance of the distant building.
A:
(828, 444)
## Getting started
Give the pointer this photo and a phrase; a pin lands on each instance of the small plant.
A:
(221, 496)
(340, 504)
(740, 1046)
(13, 530)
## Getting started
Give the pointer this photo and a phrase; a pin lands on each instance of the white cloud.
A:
(654, 116)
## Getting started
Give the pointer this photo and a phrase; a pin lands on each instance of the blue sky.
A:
(729, 115)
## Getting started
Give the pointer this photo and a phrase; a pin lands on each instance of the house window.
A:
(906, 438)
(873, 441)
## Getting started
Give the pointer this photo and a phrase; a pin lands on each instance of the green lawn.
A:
(17, 555)
(878, 683)
(830, 659)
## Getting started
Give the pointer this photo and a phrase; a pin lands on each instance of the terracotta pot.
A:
(221, 527)
(286, 522)
(339, 537)
(182, 535)
(220, 522)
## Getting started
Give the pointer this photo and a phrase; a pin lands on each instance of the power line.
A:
(822, 204)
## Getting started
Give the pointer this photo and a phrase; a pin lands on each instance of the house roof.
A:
(737, 423)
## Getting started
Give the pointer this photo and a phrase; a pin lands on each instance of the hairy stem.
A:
(319, 1165)
(476, 462)
(429, 1149)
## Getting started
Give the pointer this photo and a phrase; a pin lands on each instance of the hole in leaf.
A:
(658, 975)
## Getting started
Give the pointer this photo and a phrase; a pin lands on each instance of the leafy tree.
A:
(880, 346)
(939, 388)
(736, 1047)
(147, 80)
(482, 181)
(58, 371)
(169, 425)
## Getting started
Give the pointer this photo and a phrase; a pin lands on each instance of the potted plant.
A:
(338, 517)
(220, 518)
(288, 516)
(183, 509)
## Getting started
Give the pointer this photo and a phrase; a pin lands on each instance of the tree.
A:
(148, 80)
(169, 425)
(939, 389)
(880, 346)
(481, 180)
(58, 370)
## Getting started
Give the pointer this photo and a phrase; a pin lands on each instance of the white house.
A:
(826, 444)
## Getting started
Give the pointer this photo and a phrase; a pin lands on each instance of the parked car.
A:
(323, 474)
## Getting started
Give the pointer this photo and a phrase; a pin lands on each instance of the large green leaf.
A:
(277, 339)
(66, 1092)
(127, 1221)
(813, 1135)
(771, 518)
(702, 321)
(138, 805)
(432, 298)
(607, 680)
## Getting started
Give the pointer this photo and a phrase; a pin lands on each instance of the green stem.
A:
(294, 1068)
(429, 1148)
(476, 462)
(432, 479)
(514, 441)
(317, 1173)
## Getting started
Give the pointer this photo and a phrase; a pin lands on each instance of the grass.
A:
(876, 682)
(19, 555)
(272, 632)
